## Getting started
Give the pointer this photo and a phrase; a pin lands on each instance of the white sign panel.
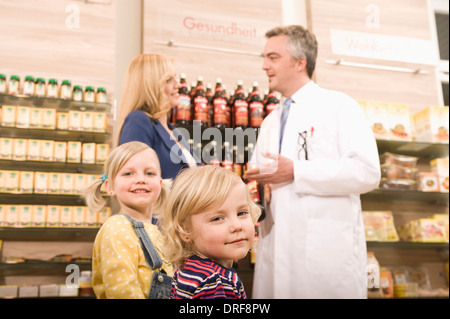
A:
(383, 47)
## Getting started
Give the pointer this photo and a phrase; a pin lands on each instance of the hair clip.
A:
(103, 178)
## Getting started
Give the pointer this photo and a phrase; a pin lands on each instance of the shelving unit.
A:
(42, 236)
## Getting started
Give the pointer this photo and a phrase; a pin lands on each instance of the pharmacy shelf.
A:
(55, 135)
(41, 199)
(82, 234)
(418, 149)
(406, 195)
(405, 245)
(48, 166)
(58, 104)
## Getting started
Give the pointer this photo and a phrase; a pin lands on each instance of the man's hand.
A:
(281, 170)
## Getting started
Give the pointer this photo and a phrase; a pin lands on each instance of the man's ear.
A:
(301, 64)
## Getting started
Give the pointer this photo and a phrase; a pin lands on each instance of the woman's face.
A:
(171, 90)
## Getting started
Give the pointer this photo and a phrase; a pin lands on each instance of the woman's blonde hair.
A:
(143, 87)
(92, 194)
(196, 190)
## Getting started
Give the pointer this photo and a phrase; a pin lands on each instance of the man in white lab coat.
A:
(317, 156)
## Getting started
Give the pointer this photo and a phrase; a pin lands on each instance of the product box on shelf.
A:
(62, 121)
(432, 125)
(399, 122)
(377, 115)
(73, 152)
(440, 167)
(6, 148)
(48, 119)
(23, 116)
(25, 215)
(379, 226)
(53, 216)
(19, 149)
(33, 150)
(60, 151)
(39, 217)
(428, 182)
(9, 115)
(36, 117)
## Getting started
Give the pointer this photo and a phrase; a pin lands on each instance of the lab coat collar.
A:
(300, 94)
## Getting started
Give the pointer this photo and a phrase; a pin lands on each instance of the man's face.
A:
(280, 67)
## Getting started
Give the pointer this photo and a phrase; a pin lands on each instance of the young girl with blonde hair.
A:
(127, 261)
(209, 222)
(150, 92)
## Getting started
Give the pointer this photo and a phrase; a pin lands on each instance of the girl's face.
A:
(224, 233)
(171, 90)
(137, 184)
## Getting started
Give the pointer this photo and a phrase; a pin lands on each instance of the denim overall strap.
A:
(150, 253)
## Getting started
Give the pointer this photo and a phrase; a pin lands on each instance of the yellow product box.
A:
(36, 117)
(9, 291)
(11, 215)
(60, 151)
(67, 183)
(87, 121)
(66, 216)
(88, 153)
(2, 181)
(440, 167)
(23, 116)
(74, 120)
(79, 216)
(26, 182)
(2, 221)
(39, 217)
(40, 182)
(25, 215)
(62, 121)
(54, 183)
(28, 291)
(79, 182)
(8, 115)
(428, 182)
(101, 153)
(99, 122)
(6, 148)
(33, 150)
(91, 217)
(19, 149)
(49, 119)
(379, 226)
(429, 230)
(46, 152)
(432, 124)
(377, 115)
(406, 231)
(11, 181)
(53, 216)
(442, 220)
(73, 152)
(103, 215)
(399, 120)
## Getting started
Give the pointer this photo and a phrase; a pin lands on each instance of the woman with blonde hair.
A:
(208, 222)
(127, 262)
(150, 92)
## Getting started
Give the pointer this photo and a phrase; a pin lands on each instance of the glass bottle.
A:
(240, 107)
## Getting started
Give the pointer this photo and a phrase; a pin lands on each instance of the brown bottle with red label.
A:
(220, 105)
(183, 113)
(256, 107)
(240, 105)
(271, 103)
(200, 103)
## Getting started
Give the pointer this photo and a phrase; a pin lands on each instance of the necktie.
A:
(284, 115)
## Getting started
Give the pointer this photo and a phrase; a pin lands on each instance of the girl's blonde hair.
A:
(143, 87)
(91, 193)
(196, 190)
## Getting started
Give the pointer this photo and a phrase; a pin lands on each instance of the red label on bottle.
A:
(270, 108)
(201, 109)
(184, 108)
(241, 113)
(220, 111)
(256, 114)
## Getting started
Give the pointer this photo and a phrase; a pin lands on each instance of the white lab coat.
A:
(312, 242)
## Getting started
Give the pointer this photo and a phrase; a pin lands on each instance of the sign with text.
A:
(383, 47)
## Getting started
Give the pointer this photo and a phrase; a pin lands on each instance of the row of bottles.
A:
(230, 159)
(217, 109)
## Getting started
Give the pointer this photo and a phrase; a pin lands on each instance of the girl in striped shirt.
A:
(209, 223)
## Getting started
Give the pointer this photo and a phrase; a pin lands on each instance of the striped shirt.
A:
(205, 279)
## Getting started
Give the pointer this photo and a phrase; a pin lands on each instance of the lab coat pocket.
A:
(322, 144)
(329, 246)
